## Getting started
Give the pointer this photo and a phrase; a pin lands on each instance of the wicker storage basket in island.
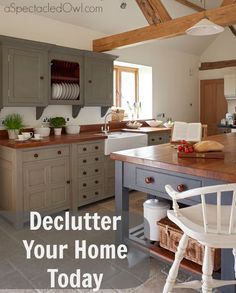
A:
(170, 235)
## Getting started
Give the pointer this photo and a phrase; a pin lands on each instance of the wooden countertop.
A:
(147, 129)
(52, 140)
(165, 157)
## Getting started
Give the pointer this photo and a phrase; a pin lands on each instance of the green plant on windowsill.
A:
(13, 123)
(57, 123)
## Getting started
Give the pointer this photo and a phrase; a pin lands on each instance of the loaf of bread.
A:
(208, 146)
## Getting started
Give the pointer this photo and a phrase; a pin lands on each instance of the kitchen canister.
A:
(154, 210)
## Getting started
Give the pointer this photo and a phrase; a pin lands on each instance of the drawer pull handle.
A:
(59, 152)
(68, 182)
(181, 187)
(84, 184)
(84, 196)
(96, 193)
(84, 161)
(36, 155)
(89, 81)
(84, 149)
(96, 170)
(149, 180)
(96, 159)
(84, 173)
(160, 138)
(96, 147)
(96, 182)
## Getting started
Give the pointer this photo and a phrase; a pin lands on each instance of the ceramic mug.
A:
(27, 135)
(20, 137)
(37, 136)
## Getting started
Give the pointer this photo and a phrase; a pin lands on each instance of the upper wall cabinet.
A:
(230, 86)
(98, 79)
(25, 75)
(66, 76)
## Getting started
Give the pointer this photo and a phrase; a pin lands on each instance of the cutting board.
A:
(209, 155)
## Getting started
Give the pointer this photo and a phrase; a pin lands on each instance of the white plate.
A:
(67, 91)
(21, 140)
(53, 91)
(77, 91)
(73, 91)
(36, 139)
(56, 91)
(63, 91)
(59, 91)
(70, 91)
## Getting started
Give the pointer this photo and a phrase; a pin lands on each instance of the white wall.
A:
(173, 87)
(222, 48)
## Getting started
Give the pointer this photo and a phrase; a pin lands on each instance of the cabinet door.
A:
(98, 82)
(46, 185)
(230, 85)
(25, 77)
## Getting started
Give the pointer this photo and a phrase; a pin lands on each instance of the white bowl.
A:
(154, 123)
(43, 131)
(134, 125)
(72, 129)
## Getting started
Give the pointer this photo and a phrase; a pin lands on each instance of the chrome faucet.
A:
(106, 127)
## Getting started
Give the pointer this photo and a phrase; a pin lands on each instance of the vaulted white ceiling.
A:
(114, 20)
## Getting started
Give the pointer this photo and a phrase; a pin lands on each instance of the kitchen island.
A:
(149, 169)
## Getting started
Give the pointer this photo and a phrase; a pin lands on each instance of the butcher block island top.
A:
(52, 140)
(165, 157)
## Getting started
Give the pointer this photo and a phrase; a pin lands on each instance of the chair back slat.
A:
(218, 213)
(231, 221)
(204, 212)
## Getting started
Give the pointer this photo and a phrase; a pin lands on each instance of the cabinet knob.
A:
(84, 196)
(59, 152)
(84, 161)
(36, 155)
(96, 147)
(42, 77)
(153, 139)
(84, 149)
(96, 170)
(68, 182)
(149, 180)
(96, 182)
(90, 81)
(84, 184)
(181, 187)
(84, 173)
(96, 193)
(96, 159)
(160, 138)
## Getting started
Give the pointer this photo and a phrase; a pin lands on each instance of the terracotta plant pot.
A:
(13, 133)
(57, 131)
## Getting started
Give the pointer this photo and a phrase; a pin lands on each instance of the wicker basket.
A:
(170, 235)
(117, 115)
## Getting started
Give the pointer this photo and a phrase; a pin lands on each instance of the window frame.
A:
(118, 70)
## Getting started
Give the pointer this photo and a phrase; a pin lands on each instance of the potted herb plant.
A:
(57, 123)
(13, 123)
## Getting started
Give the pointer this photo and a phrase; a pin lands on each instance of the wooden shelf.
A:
(64, 78)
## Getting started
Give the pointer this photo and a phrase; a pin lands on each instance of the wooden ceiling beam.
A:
(190, 5)
(148, 12)
(224, 16)
(160, 9)
(217, 64)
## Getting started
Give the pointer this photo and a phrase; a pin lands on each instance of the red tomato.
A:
(191, 150)
(180, 148)
(184, 141)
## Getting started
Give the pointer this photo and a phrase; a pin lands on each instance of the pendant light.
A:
(204, 27)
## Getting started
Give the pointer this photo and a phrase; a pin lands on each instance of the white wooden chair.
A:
(214, 226)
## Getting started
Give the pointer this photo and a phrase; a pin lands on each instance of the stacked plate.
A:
(65, 91)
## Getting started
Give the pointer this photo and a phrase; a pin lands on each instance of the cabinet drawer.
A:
(90, 159)
(155, 181)
(44, 154)
(156, 139)
(89, 195)
(91, 148)
(87, 171)
(90, 182)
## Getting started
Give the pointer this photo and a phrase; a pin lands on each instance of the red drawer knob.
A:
(149, 180)
(181, 187)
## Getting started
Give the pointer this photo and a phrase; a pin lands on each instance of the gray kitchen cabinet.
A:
(46, 185)
(109, 169)
(25, 76)
(88, 172)
(98, 80)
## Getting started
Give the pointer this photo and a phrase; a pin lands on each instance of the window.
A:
(126, 91)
